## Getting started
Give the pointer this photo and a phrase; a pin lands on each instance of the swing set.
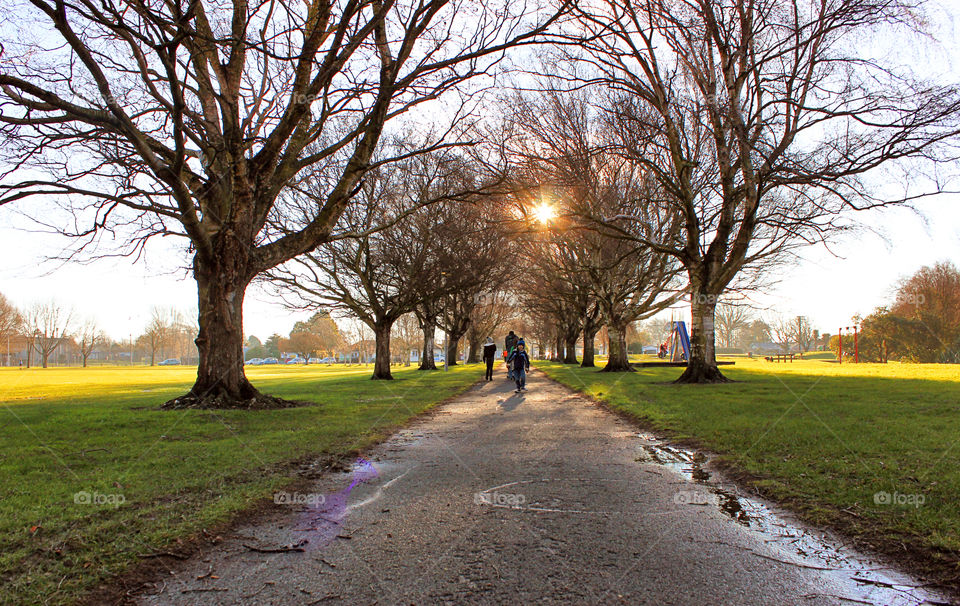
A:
(677, 345)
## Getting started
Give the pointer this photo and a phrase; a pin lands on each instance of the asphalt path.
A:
(539, 497)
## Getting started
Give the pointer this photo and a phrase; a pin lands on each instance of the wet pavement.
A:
(541, 497)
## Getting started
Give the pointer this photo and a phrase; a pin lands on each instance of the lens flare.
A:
(544, 213)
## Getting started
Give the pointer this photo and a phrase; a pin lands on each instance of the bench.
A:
(780, 358)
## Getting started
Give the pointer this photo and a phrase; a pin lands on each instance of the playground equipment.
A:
(678, 343)
(856, 343)
(677, 347)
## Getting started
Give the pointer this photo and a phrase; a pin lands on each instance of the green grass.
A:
(821, 437)
(99, 430)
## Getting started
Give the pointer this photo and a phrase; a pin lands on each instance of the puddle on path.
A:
(863, 578)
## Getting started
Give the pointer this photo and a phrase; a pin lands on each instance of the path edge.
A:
(921, 564)
(125, 587)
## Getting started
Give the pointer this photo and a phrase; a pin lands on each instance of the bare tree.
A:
(428, 318)
(181, 336)
(157, 333)
(599, 270)
(539, 323)
(476, 250)
(491, 312)
(406, 336)
(731, 319)
(89, 337)
(761, 122)
(801, 333)
(11, 322)
(48, 325)
(198, 120)
(554, 285)
(780, 330)
(383, 249)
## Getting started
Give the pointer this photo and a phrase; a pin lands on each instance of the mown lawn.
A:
(69, 436)
(871, 448)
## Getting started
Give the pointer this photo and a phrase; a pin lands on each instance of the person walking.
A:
(489, 350)
(519, 362)
(509, 344)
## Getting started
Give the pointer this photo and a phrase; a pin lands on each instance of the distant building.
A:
(769, 347)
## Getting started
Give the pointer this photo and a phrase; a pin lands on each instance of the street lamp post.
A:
(446, 350)
(840, 339)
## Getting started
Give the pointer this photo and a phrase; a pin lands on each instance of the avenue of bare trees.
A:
(416, 237)
(760, 124)
(350, 155)
(201, 121)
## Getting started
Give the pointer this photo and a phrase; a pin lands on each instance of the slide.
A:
(681, 328)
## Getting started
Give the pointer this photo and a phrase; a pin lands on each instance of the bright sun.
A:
(544, 212)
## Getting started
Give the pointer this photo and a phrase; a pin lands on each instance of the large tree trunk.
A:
(453, 349)
(381, 366)
(474, 356)
(618, 360)
(588, 349)
(702, 366)
(221, 382)
(557, 355)
(429, 327)
(571, 349)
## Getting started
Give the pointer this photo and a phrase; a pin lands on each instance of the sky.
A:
(118, 293)
(829, 287)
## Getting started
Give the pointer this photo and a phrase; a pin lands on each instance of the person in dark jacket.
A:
(519, 362)
(489, 350)
(509, 344)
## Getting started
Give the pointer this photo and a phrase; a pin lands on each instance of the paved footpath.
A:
(541, 497)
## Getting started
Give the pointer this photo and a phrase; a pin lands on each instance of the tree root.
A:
(702, 375)
(224, 401)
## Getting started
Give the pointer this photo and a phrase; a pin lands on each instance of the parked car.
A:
(270, 361)
(254, 362)
(295, 361)
(314, 360)
(170, 362)
(328, 360)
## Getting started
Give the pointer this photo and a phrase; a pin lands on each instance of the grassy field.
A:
(94, 475)
(871, 448)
